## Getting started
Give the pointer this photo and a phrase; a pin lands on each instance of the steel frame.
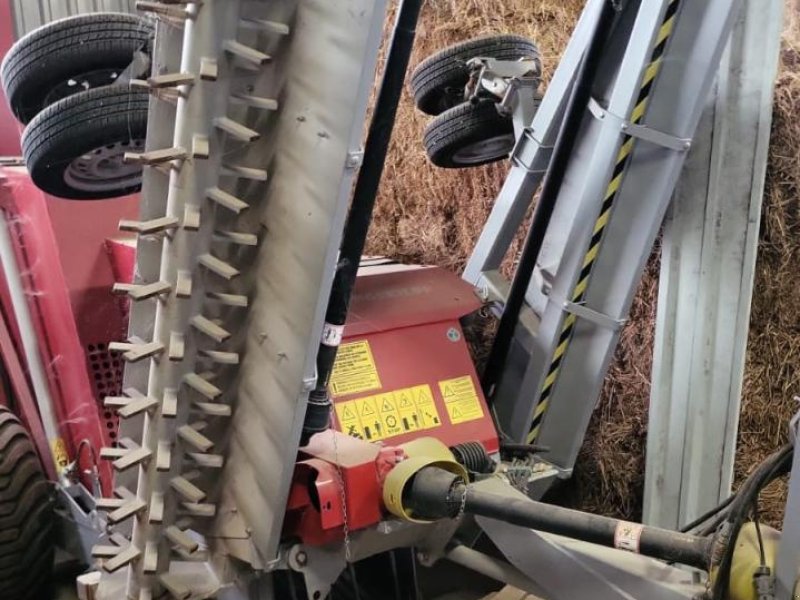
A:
(709, 246)
(572, 365)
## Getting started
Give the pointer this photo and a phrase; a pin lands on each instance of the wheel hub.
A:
(81, 83)
(485, 150)
(104, 170)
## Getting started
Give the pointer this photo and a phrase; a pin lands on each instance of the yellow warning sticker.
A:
(60, 456)
(461, 399)
(386, 415)
(354, 370)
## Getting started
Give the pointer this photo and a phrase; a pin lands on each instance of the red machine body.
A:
(67, 269)
(403, 371)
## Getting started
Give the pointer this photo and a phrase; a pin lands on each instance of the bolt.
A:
(302, 558)
(422, 557)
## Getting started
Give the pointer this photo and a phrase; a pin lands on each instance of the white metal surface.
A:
(323, 88)
(28, 337)
(30, 14)
(706, 284)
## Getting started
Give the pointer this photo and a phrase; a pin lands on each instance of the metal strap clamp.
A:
(641, 132)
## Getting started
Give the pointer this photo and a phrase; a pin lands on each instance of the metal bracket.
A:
(641, 132)
(598, 318)
(529, 153)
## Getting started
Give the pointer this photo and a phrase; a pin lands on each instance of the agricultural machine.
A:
(223, 399)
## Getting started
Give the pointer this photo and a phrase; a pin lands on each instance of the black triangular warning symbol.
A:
(448, 391)
(404, 402)
(347, 414)
(366, 409)
(456, 413)
(387, 406)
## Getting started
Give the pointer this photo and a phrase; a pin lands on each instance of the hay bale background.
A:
(434, 216)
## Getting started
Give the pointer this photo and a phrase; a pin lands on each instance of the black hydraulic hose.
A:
(773, 466)
(361, 208)
(711, 513)
(551, 186)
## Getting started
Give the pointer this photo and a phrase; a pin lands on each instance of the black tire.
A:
(438, 82)
(69, 56)
(26, 516)
(74, 148)
(469, 135)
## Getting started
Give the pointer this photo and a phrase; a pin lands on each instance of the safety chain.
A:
(463, 505)
(340, 477)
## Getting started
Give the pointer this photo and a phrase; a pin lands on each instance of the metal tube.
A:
(551, 186)
(658, 543)
(492, 568)
(30, 346)
(435, 493)
(363, 203)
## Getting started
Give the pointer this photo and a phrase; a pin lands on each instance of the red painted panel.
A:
(38, 256)
(9, 128)
(415, 340)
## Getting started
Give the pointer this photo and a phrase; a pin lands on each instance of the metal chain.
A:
(463, 506)
(340, 478)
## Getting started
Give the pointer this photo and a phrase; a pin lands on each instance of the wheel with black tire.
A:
(69, 56)
(75, 147)
(438, 82)
(26, 516)
(469, 135)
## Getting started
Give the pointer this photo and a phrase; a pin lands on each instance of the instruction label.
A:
(461, 399)
(386, 415)
(354, 370)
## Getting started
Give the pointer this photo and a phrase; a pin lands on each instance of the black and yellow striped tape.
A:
(579, 293)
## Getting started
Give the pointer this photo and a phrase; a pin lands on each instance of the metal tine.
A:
(134, 352)
(210, 329)
(243, 172)
(200, 146)
(189, 491)
(171, 80)
(174, 586)
(126, 511)
(137, 406)
(236, 300)
(227, 200)
(183, 284)
(218, 266)
(221, 357)
(209, 69)
(265, 25)
(237, 237)
(202, 386)
(194, 438)
(177, 346)
(161, 9)
(259, 102)
(246, 53)
(122, 559)
(142, 291)
(153, 226)
(132, 458)
(169, 403)
(236, 129)
(155, 157)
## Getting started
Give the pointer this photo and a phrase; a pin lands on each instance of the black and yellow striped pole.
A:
(551, 186)
(590, 259)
